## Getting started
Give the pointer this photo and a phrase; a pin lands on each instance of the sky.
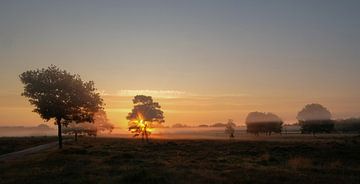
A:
(204, 61)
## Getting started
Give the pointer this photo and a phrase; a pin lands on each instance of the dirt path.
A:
(17, 154)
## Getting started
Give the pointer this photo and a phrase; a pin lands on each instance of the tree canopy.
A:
(315, 118)
(57, 94)
(314, 112)
(143, 115)
(260, 122)
(101, 124)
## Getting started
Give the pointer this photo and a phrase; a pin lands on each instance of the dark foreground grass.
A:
(12, 144)
(105, 160)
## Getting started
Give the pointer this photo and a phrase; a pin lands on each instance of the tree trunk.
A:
(76, 136)
(58, 121)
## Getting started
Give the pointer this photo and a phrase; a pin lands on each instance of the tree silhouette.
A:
(259, 122)
(230, 128)
(57, 94)
(313, 112)
(315, 118)
(143, 115)
(100, 124)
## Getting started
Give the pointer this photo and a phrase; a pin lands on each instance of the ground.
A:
(260, 160)
(12, 144)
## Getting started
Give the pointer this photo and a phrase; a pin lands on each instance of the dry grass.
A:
(110, 160)
(300, 163)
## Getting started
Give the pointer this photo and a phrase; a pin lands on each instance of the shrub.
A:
(316, 126)
(351, 125)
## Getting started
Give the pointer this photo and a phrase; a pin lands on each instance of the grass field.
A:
(114, 160)
(12, 144)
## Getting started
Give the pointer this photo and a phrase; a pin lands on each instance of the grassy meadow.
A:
(260, 160)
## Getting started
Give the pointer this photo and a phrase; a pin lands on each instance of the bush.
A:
(316, 126)
(264, 127)
(348, 125)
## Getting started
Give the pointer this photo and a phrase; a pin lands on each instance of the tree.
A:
(77, 129)
(230, 128)
(350, 125)
(143, 115)
(259, 122)
(59, 95)
(315, 118)
(101, 124)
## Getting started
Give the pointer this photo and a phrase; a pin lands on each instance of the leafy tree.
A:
(230, 128)
(143, 115)
(101, 124)
(59, 95)
(78, 129)
(258, 122)
(315, 118)
(312, 112)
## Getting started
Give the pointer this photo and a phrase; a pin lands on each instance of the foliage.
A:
(143, 115)
(315, 118)
(230, 128)
(314, 112)
(317, 126)
(348, 125)
(57, 94)
(101, 124)
(258, 122)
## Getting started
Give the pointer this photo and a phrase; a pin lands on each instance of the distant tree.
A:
(259, 122)
(219, 125)
(230, 128)
(315, 118)
(101, 124)
(143, 115)
(203, 126)
(43, 126)
(350, 125)
(179, 125)
(57, 94)
(77, 129)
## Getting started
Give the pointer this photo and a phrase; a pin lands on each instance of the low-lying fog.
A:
(168, 133)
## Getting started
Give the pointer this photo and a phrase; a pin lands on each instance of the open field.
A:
(12, 144)
(114, 160)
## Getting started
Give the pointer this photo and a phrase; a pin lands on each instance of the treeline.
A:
(313, 119)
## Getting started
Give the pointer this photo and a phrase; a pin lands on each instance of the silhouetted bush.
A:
(264, 127)
(258, 122)
(317, 126)
(351, 125)
(315, 118)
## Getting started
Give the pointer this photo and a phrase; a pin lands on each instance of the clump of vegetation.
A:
(145, 113)
(101, 124)
(315, 118)
(57, 94)
(351, 125)
(230, 128)
(258, 122)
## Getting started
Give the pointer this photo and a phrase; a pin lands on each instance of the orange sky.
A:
(204, 61)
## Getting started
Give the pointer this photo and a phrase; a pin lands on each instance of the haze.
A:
(203, 62)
